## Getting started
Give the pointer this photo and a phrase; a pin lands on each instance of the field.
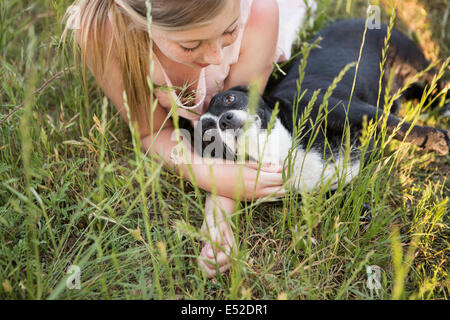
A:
(76, 191)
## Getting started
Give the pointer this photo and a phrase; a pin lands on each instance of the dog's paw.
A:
(438, 140)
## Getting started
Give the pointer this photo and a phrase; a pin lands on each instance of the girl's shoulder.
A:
(263, 18)
(263, 15)
(261, 10)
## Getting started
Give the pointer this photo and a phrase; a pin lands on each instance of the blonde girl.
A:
(205, 46)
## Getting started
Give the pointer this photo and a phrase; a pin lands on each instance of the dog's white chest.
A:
(309, 170)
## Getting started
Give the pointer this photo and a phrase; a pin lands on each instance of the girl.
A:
(206, 46)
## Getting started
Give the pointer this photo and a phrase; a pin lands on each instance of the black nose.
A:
(229, 121)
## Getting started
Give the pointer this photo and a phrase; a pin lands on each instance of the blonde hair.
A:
(130, 39)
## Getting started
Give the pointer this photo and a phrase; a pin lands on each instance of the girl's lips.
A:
(202, 65)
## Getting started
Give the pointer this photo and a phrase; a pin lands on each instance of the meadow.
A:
(76, 190)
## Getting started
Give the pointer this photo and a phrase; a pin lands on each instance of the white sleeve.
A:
(292, 18)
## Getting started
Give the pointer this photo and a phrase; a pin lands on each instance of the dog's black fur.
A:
(339, 47)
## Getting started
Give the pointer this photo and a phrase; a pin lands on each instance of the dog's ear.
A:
(240, 88)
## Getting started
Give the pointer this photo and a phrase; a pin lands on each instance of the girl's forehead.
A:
(226, 19)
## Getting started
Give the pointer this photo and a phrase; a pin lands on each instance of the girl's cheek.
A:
(174, 52)
(180, 55)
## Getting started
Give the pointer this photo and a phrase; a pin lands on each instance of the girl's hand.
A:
(220, 247)
(240, 182)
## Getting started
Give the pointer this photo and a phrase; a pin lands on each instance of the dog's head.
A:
(226, 120)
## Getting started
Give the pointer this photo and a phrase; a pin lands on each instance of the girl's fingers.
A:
(270, 183)
(274, 192)
(267, 167)
(277, 191)
(209, 261)
(220, 259)
(270, 178)
(211, 272)
(218, 249)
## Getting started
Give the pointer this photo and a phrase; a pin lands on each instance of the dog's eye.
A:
(230, 99)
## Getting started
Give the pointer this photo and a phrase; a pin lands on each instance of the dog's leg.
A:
(408, 60)
(428, 138)
(416, 90)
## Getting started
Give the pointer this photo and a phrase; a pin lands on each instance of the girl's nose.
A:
(214, 54)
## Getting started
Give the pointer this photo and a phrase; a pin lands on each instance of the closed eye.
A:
(191, 49)
(226, 33)
(231, 32)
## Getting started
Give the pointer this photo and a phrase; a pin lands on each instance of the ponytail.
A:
(129, 44)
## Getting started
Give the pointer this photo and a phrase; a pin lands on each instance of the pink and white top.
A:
(211, 80)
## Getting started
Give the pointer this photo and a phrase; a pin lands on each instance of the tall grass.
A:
(76, 189)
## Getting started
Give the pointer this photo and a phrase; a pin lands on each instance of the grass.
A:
(75, 190)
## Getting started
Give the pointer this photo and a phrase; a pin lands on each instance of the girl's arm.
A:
(258, 48)
(255, 63)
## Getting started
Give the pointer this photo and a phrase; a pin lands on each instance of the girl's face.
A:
(201, 46)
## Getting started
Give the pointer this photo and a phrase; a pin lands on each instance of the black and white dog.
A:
(325, 160)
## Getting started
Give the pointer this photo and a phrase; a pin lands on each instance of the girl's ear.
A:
(240, 88)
